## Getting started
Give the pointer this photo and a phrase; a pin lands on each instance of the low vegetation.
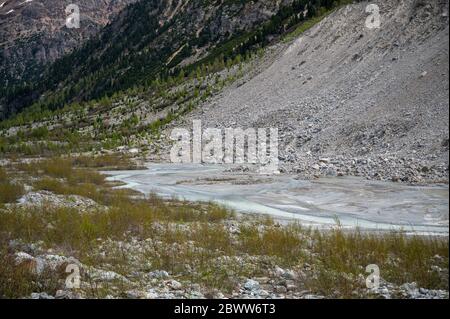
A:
(197, 243)
(9, 191)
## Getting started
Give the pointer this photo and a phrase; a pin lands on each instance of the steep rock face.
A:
(146, 39)
(34, 33)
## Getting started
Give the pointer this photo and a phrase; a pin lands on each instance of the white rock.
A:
(251, 284)
(21, 257)
(38, 263)
(175, 285)
(279, 271)
(41, 295)
(62, 294)
(135, 294)
(290, 275)
(102, 275)
(151, 295)
(159, 274)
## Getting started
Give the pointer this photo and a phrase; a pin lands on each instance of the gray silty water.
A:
(354, 201)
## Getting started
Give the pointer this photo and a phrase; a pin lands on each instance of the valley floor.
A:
(355, 202)
(60, 214)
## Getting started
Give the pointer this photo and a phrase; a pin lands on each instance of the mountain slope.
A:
(373, 102)
(347, 100)
(155, 39)
(33, 33)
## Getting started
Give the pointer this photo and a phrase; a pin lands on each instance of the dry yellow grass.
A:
(105, 162)
(336, 258)
(9, 191)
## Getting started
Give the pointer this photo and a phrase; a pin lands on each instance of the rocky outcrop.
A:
(33, 33)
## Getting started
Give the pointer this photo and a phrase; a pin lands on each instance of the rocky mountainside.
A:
(155, 39)
(33, 33)
(347, 99)
(353, 100)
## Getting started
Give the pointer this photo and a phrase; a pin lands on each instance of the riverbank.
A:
(126, 245)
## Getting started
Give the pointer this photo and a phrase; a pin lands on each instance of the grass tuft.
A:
(9, 191)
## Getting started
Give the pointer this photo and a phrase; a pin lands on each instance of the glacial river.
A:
(355, 202)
